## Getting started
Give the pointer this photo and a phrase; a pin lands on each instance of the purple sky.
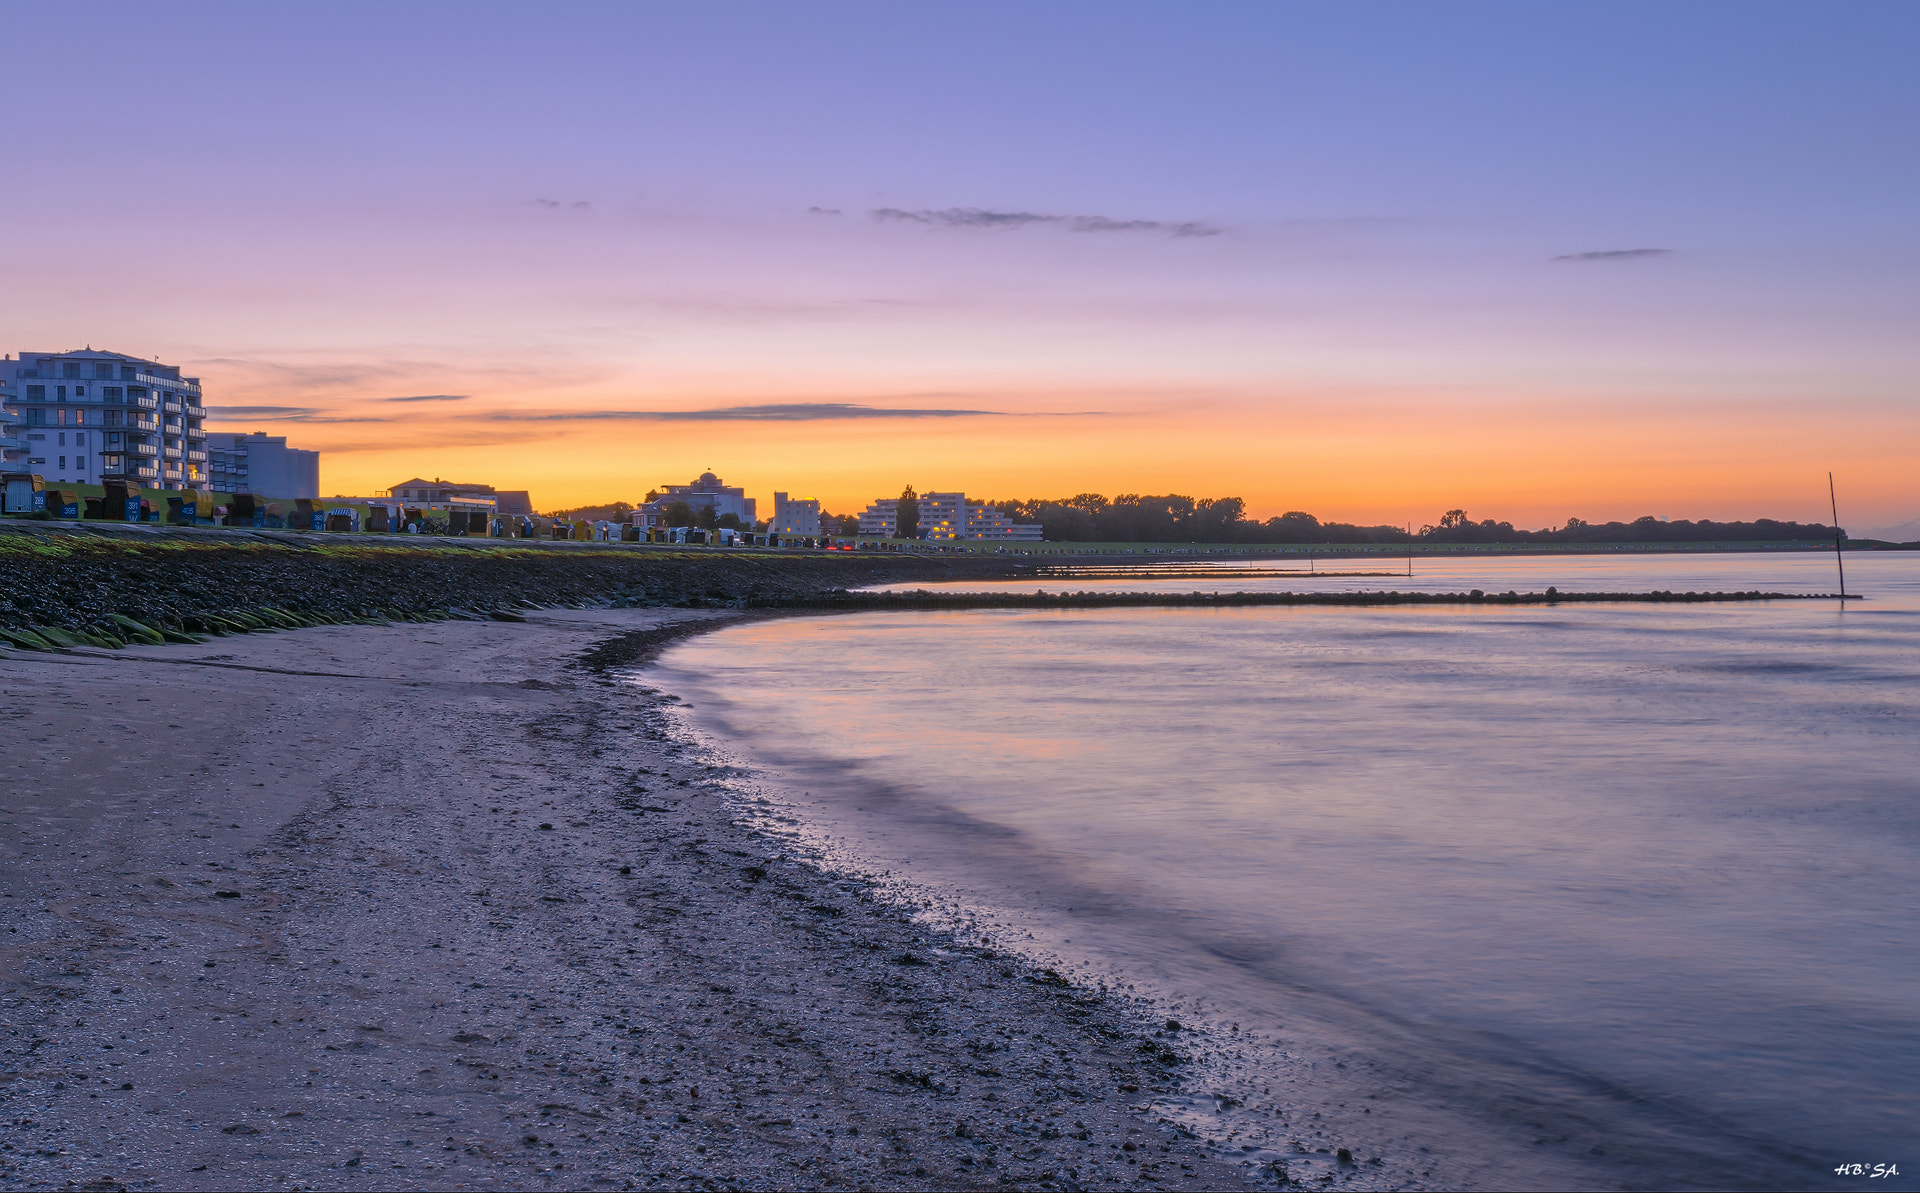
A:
(1605, 260)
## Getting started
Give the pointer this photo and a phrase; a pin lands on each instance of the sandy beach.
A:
(440, 906)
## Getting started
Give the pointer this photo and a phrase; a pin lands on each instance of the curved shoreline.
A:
(487, 926)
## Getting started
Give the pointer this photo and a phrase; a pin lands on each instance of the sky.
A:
(1371, 261)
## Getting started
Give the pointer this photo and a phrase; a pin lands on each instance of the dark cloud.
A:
(1615, 255)
(281, 414)
(775, 412)
(261, 411)
(429, 398)
(823, 211)
(551, 204)
(983, 218)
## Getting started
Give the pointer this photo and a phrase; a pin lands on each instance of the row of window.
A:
(100, 370)
(110, 393)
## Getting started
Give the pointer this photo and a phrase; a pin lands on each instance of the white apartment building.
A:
(261, 463)
(795, 519)
(948, 516)
(91, 415)
(13, 442)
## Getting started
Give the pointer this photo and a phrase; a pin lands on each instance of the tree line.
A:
(1173, 518)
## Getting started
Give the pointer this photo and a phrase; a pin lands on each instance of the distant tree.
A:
(847, 524)
(728, 522)
(704, 518)
(679, 514)
(653, 495)
(907, 515)
(1453, 519)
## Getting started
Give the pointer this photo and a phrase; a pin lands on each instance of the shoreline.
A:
(403, 987)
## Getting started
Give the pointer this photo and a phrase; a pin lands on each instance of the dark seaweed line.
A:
(921, 599)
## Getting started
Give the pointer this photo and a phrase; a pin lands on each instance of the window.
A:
(63, 439)
(29, 372)
(103, 371)
(80, 440)
(63, 463)
(79, 391)
(36, 393)
(60, 391)
(70, 369)
(111, 393)
(128, 372)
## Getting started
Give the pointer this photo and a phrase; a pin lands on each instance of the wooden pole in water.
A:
(1834, 503)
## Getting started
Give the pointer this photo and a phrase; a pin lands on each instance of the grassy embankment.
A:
(106, 584)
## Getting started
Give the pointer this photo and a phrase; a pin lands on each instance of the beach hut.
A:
(25, 493)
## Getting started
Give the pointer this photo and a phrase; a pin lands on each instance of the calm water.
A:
(1653, 868)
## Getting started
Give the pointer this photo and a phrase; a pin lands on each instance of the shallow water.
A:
(1651, 867)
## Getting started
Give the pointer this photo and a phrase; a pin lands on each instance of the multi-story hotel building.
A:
(13, 443)
(89, 416)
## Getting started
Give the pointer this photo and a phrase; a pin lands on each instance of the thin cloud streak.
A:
(980, 218)
(775, 412)
(1616, 255)
(429, 398)
(281, 414)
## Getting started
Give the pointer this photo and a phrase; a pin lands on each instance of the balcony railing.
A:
(196, 433)
(147, 425)
(196, 410)
(172, 407)
(143, 449)
(144, 402)
(197, 457)
(147, 472)
(169, 383)
(171, 453)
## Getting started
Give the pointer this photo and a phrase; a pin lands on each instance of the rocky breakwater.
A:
(65, 586)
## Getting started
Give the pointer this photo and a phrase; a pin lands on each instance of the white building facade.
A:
(795, 519)
(261, 463)
(948, 516)
(90, 416)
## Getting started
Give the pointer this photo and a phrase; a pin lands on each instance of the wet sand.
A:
(437, 907)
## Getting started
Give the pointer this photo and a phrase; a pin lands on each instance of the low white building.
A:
(795, 519)
(948, 516)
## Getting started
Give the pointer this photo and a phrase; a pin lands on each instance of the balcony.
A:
(147, 472)
(169, 383)
(195, 410)
(144, 425)
(171, 453)
(143, 449)
(144, 402)
(197, 457)
(196, 433)
(171, 406)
